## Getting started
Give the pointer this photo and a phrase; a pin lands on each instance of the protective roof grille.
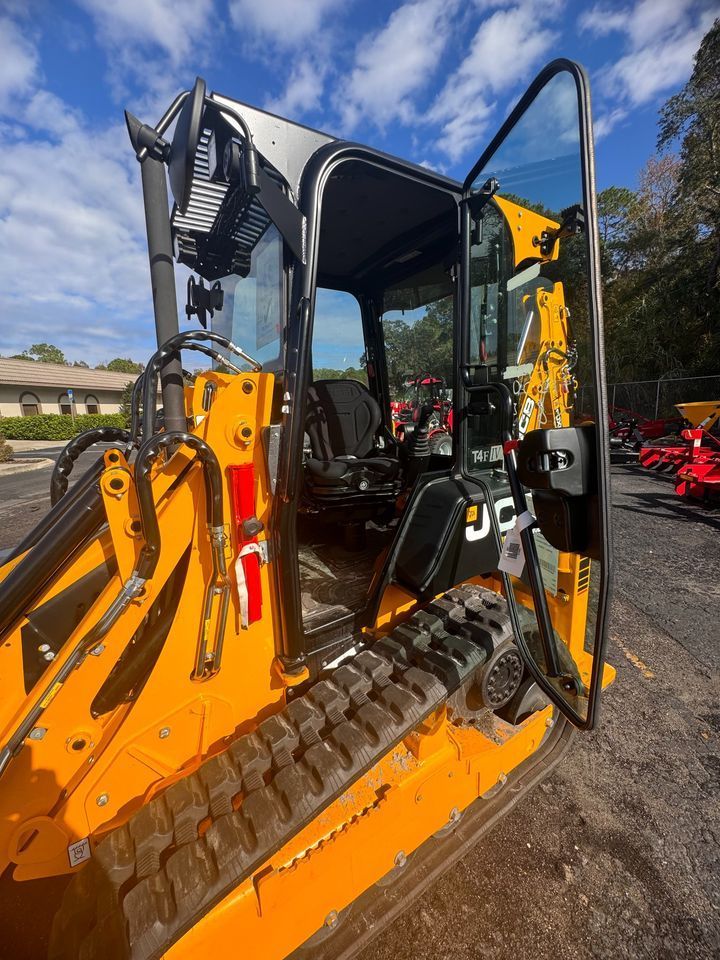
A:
(235, 219)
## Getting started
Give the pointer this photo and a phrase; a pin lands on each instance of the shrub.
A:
(56, 426)
(6, 451)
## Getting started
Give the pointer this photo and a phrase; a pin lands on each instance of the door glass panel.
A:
(530, 328)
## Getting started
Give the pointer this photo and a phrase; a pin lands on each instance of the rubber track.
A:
(150, 880)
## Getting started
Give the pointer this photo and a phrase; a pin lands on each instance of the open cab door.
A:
(533, 376)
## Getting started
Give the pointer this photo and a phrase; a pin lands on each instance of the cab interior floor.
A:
(334, 579)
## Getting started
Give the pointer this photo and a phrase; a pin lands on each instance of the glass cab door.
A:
(534, 426)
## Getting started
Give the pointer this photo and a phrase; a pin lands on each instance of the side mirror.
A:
(185, 143)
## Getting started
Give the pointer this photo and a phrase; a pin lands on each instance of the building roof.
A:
(32, 373)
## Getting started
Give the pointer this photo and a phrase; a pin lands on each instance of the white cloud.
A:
(174, 26)
(504, 50)
(303, 91)
(270, 31)
(643, 74)
(601, 20)
(18, 63)
(73, 264)
(606, 122)
(393, 64)
(49, 113)
(283, 22)
(73, 261)
(154, 45)
(661, 37)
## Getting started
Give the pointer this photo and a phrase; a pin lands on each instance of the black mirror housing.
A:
(559, 466)
(561, 460)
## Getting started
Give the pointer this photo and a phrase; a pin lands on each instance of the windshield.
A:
(253, 308)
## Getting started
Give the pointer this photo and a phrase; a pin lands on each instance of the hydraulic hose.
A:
(205, 664)
(78, 445)
(189, 340)
(68, 502)
(70, 527)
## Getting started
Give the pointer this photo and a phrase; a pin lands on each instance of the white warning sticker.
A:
(512, 557)
(79, 852)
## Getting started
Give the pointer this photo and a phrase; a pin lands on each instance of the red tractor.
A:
(425, 390)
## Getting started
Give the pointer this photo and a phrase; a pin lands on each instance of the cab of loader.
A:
(341, 244)
(262, 654)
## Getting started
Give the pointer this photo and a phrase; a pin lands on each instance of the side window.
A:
(417, 325)
(91, 404)
(254, 303)
(338, 346)
(65, 404)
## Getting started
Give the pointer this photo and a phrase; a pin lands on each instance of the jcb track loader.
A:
(266, 672)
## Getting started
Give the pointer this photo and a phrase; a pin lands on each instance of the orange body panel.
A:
(87, 773)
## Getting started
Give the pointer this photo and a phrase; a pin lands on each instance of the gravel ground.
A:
(617, 854)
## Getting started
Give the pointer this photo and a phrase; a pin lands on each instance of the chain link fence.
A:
(657, 398)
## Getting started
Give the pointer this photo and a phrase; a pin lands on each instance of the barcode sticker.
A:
(512, 558)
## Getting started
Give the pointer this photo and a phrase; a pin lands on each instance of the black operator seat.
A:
(342, 422)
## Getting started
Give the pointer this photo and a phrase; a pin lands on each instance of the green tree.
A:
(330, 373)
(693, 116)
(425, 346)
(614, 206)
(44, 353)
(126, 402)
(123, 365)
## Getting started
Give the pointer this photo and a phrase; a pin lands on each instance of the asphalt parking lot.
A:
(617, 854)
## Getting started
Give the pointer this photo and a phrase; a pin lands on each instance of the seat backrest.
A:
(342, 419)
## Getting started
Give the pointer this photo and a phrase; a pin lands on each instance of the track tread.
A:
(150, 879)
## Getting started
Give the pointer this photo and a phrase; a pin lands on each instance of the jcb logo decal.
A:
(473, 532)
(524, 419)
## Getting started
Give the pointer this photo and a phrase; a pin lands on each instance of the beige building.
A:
(28, 387)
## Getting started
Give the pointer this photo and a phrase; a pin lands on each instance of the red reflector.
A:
(510, 445)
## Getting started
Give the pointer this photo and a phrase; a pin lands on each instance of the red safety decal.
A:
(510, 445)
(242, 489)
(247, 565)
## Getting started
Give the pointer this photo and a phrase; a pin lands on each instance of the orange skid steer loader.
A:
(267, 672)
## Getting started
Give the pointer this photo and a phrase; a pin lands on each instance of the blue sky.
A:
(426, 79)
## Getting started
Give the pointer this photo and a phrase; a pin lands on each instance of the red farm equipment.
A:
(425, 391)
(630, 430)
(695, 459)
